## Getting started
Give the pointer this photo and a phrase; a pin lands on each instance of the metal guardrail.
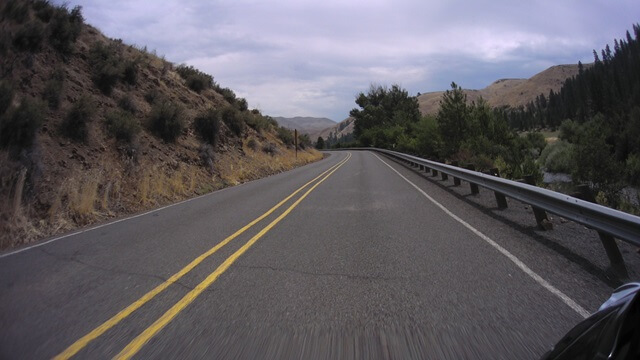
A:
(605, 220)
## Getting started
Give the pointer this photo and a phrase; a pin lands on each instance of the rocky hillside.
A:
(340, 131)
(92, 128)
(508, 92)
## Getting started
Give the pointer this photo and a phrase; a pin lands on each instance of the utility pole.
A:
(295, 140)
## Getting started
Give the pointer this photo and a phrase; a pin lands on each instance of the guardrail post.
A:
(474, 187)
(444, 176)
(608, 241)
(456, 181)
(434, 172)
(541, 215)
(421, 167)
(500, 199)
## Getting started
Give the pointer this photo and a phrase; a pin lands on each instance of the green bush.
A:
(152, 95)
(304, 141)
(53, 89)
(207, 125)
(558, 157)
(633, 169)
(6, 96)
(167, 120)
(123, 125)
(106, 66)
(536, 141)
(44, 10)
(258, 122)
(270, 148)
(64, 28)
(126, 103)
(18, 127)
(241, 104)
(228, 95)
(252, 144)
(29, 37)
(76, 123)
(130, 72)
(233, 119)
(285, 135)
(196, 80)
(16, 10)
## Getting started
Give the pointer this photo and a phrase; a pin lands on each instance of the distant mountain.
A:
(508, 92)
(305, 125)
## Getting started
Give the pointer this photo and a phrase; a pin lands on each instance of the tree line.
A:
(597, 113)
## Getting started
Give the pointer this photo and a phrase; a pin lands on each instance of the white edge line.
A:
(566, 299)
(14, 252)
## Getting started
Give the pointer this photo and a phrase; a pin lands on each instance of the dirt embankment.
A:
(54, 177)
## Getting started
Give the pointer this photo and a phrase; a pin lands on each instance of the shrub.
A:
(285, 135)
(126, 103)
(481, 162)
(207, 156)
(130, 72)
(6, 96)
(16, 10)
(44, 10)
(29, 37)
(207, 125)
(233, 119)
(53, 88)
(167, 120)
(4, 44)
(196, 80)
(558, 157)
(258, 122)
(570, 131)
(270, 148)
(304, 141)
(75, 124)
(64, 28)
(252, 144)
(633, 169)
(106, 66)
(241, 104)
(228, 95)
(122, 125)
(18, 127)
(536, 141)
(152, 95)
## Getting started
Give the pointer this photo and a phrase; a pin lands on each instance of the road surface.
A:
(355, 256)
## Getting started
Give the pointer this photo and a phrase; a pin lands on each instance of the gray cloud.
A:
(305, 57)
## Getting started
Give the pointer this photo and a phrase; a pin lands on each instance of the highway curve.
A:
(355, 256)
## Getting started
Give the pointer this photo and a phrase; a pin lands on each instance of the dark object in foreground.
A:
(611, 333)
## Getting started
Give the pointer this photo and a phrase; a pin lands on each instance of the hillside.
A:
(342, 130)
(508, 92)
(305, 125)
(503, 92)
(91, 128)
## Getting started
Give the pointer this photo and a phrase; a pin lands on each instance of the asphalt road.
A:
(360, 263)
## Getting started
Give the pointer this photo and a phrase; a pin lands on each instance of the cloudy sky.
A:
(310, 58)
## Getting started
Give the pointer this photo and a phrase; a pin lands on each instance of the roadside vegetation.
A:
(596, 116)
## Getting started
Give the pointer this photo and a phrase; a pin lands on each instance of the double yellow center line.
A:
(134, 346)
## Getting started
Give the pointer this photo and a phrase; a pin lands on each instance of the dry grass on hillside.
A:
(58, 182)
(508, 92)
